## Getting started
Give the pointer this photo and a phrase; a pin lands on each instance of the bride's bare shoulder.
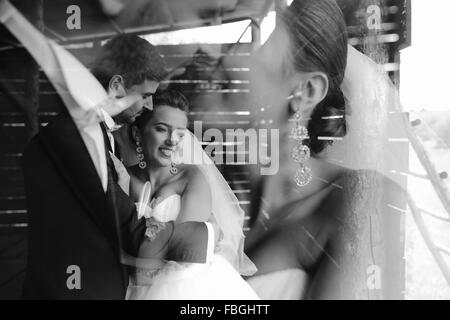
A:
(191, 172)
(193, 178)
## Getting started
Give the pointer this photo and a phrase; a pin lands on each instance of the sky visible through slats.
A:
(425, 66)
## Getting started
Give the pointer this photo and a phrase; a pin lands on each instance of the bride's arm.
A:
(185, 242)
(196, 199)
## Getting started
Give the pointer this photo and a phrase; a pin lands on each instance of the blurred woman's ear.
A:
(315, 88)
(309, 93)
(117, 87)
(135, 134)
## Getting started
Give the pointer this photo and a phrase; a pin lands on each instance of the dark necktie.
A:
(112, 173)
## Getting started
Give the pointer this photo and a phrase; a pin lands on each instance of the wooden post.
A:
(280, 5)
(32, 90)
(256, 33)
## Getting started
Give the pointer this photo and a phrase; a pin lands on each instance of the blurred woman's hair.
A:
(318, 42)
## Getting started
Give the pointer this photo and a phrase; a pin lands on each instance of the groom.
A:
(81, 219)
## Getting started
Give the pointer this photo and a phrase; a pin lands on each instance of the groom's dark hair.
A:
(131, 57)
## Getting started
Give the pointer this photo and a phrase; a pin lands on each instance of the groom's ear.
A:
(117, 87)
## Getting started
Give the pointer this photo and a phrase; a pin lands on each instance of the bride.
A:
(175, 182)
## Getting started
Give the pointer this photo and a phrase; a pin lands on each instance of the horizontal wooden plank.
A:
(17, 203)
(13, 134)
(13, 218)
(237, 57)
(13, 147)
(50, 102)
(14, 229)
(201, 87)
(20, 117)
(10, 159)
(12, 273)
(235, 73)
(191, 48)
(12, 242)
(11, 144)
(19, 53)
(11, 185)
(18, 123)
(235, 61)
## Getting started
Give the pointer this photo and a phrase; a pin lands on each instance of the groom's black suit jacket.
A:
(75, 228)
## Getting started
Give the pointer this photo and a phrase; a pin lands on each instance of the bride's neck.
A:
(159, 176)
(324, 176)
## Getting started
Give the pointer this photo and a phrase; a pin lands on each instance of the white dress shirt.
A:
(91, 132)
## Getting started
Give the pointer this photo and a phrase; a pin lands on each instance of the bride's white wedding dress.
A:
(289, 284)
(216, 279)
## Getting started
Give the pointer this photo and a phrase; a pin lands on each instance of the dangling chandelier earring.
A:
(173, 168)
(300, 153)
(140, 155)
(175, 160)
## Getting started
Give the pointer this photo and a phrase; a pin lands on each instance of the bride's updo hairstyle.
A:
(171, 98)
(318, 42)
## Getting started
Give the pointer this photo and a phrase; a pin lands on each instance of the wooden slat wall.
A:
(12, 200)
(223, 107)
(13, 135)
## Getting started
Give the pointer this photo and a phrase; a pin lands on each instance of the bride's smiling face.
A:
(162, 134)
